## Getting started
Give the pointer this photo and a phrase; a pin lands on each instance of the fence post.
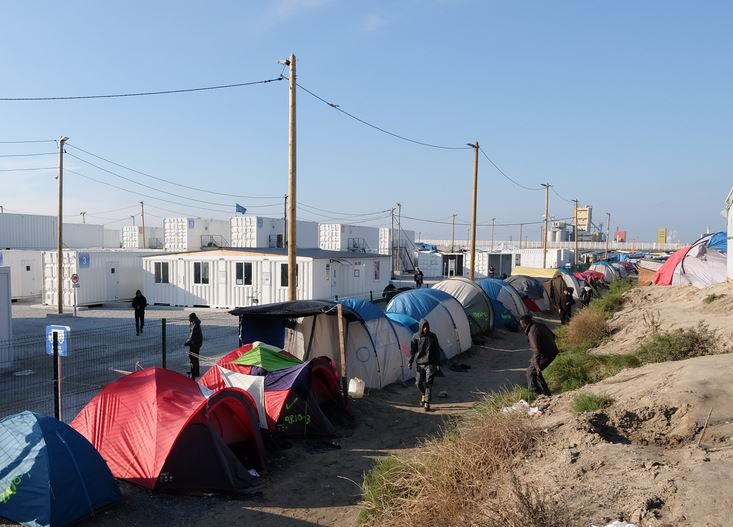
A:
(163, 342)
(56, 377)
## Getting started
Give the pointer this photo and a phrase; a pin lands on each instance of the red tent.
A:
(155, 428)
(665, 273)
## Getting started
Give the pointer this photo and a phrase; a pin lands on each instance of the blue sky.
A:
(623, 105)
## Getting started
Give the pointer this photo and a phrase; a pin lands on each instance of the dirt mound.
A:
(668, 308)
(638, 459)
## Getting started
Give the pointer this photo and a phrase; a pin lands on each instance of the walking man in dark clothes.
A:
(194, 342)
(139, 303)
(425, 351)
(418, 277)
(566, 305)
(542, 343)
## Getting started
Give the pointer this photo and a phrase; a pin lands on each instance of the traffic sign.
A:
(63, 339)
(74, 278)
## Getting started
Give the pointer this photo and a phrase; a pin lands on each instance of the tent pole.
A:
(310, 339)
(342, 349)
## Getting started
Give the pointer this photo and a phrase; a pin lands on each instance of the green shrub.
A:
(570, 371)
(712, 297)
(680, 344)
(614, 297)
(591, 403)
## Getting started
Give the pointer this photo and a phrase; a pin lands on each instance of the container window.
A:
(284, 275)
(376, 270)
(27, 267)
(201, 272)
(244, 273)
(161, 272)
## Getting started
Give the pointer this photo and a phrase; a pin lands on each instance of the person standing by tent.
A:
(425, 351)
(586, 295)
(418, 277)
(566, 305)
(492, 271)
(544, 350)
(194, 343)
(139, 303)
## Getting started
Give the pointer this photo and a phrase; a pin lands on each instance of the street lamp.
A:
(83, 215)
(492, 234)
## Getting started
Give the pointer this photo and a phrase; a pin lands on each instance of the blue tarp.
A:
(416, 303)
(364, 308)
(503, 318)
(404, 320)
(719, 242)
(51, 475)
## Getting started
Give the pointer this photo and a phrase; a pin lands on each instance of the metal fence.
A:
(98, 357)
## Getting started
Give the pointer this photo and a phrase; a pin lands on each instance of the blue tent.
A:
(51, 475)
(506, 302)
(719, 242)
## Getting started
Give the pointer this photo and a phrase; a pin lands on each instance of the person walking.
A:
(586, 295)
(139, 303)
(194, 343)
(425, 351)
(418, 277)
(492, 271)
(544, 350)
(566, 305)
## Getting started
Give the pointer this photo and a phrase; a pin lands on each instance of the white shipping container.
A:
(6, 314)
(343, 237)
(407, 239)
(255, 231)
(83, 236)
(26, 272)
(431, 264)
(104, 275)
(27, 231)
(535, 258)
(503, 263)
(112, 239)
(132, 237)
(307, 233)
(189, 234)
(232, 278)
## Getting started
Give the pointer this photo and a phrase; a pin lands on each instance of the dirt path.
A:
(308, 486)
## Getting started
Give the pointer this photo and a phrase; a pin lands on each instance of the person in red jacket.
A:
(544, 350)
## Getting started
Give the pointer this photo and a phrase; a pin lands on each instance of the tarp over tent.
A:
(531, 288)
(444, 313)
(700, 264)
(299, 401)
(155, 428)
(609, 273)
(506, 301)
(49, 473)
(474, 301)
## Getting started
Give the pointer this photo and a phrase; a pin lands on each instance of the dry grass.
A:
(586, 329)
(464, 478)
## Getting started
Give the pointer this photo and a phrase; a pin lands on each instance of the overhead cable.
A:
(552, 187)
(26, 169)
(141, 94)
(25, 142)
(168, 180)
(378, 128)
(29, 155)
(505, 174)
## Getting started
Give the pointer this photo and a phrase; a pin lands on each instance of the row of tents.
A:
(701, 264)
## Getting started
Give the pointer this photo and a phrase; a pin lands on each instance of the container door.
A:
(27, 279)
(113, 280)
(265, 286)
(222, 285)
(181, 284)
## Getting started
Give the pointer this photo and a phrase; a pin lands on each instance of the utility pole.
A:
(608, 232)
(292, 178)
(472, 273)
(391, 243)
(520, 235)
(399, 238)
(453, 235)
(493, 220)
(82, 214)
(1, 210)
(142, 217)
(544, 241)
(575, 231)
(133, 220)
(285, 222)
(60, 255)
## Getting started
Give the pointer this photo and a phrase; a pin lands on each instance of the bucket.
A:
(356, 388)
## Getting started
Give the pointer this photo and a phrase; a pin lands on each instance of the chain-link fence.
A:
(97, 357)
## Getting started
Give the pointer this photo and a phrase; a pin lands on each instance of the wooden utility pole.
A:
(399, 239)
(60, 254)
(392, 245)
(544, 241)
(575, 232)
(342, 350)
(142, 217)
(285, 222)
(608, 232)
(472, 273)
(453, 235)
(292, 173)
(493, 220)
(520, 235)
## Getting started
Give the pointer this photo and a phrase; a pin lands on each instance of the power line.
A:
(336, 213)
(141, 94)
(25, 142)
(552, 187)
(478, 224)
(378, 128)
(26, 169)
(505, 174)
(157, 189)
(167, 180)
(29, 155)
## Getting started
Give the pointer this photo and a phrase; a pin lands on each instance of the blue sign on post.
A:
(63, 333)
(84, 260)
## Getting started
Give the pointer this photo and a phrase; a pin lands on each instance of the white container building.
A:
(503, 263)
(6, 311)
(535, 258)
(26, 272)
(231, 277)
(192, 234)
(34, 231)
(112, 239)
(132, 237)
(308, 233)
(104, 275)
(343, 237)
(255, 231)
(407, 239)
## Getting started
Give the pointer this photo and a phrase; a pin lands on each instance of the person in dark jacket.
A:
(194, 343)
(139, 303)
(425, 351)
(544, 350)
(566, 305)
(418, 277)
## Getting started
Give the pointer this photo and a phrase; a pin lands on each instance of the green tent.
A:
(267, 357)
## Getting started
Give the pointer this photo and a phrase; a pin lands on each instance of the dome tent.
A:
(506, 301)
(474, 301)
(530, 288)
(700, 264)
(454, 335)
(609, 272)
